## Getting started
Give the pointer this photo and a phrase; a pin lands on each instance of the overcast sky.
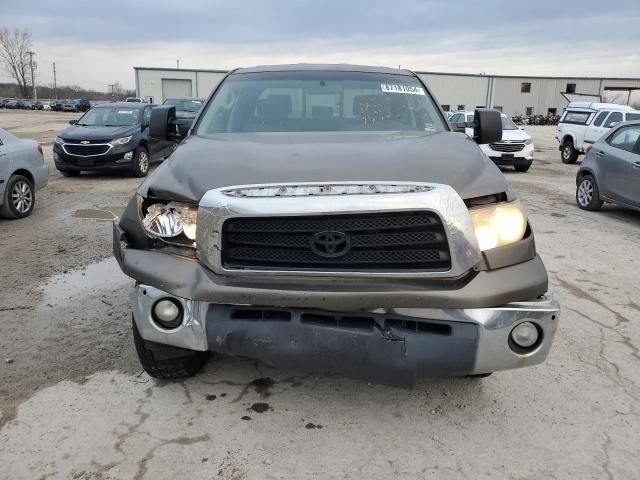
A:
(95, 43)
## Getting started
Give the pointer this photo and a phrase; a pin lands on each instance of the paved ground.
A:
(75, 404)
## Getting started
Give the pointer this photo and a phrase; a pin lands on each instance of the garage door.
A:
(172, 88)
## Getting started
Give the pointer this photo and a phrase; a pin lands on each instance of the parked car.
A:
(107, 137)
(20, 104)
(583, 123)
(516, 148)
(28, 104)
(327, 217)
(186, 108)
(37, 105)
(134, 100)
(68, 106)
(82, 105)
(610, 171)
(11, 104)
(3, 102)
(22, 173)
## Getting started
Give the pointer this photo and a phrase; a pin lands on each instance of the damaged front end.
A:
(385, 282)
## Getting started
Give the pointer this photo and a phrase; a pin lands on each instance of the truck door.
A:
(596, 129)
(619, 163)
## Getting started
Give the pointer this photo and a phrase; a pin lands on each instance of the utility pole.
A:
(111, 87)
(178, 64)
(33, 78)
(55, 83)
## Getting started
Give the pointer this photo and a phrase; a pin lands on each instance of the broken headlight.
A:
(169, 220)
(499, 224)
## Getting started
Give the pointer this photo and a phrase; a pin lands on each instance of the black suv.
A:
(110, 136)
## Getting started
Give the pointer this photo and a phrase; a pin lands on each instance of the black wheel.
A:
(480, 375)
(141, 161)
(19, 198)
(523, 167)
(164, 361)
(587, 194)
(568, 153)
(70, 173)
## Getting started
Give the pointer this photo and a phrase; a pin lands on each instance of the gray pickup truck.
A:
(326, 218)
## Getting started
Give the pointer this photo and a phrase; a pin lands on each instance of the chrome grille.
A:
(86, 150)
(507, 147)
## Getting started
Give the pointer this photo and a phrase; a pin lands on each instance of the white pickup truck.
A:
(583, 123)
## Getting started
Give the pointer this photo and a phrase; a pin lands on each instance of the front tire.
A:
(141, 162)
(568, 153)
(19, 198)
(165, 361)
(587, 194)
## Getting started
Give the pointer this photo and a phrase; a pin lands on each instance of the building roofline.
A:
(421, 72)
(535, 77)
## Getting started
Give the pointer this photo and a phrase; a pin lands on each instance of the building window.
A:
(571, 88)
(529, 111)
(446, 108)
(497, 108)
(461, 107)
(552, 111)
(525, 87)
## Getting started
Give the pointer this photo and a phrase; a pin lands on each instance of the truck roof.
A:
(341, 67)
(598, 106)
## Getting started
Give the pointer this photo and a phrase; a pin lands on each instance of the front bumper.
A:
(394, 346)
(109, 161)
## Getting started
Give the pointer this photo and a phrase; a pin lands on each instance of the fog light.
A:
(525, 335)
(167, 313)
(128, 155)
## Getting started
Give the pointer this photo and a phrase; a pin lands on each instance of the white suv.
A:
(583, 123)
(515, 149)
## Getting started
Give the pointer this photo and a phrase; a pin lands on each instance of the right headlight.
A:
(499, 224)
(170, 220)
(59, 141)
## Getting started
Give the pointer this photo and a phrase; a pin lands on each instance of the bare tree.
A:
(14, 47)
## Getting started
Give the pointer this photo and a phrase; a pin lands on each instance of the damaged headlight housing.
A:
(170, 220)
(499, 224)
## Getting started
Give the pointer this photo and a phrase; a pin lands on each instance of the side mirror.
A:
(73, 122)
(162, 124)
(488, 126)
(613, 124)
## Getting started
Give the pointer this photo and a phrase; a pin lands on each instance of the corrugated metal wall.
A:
(451, 90)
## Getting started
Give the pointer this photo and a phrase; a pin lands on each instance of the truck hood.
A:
(203, 163)
(78, 132)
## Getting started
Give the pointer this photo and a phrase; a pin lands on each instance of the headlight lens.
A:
(528, 141)
(499, 224)
(59, 141)
(122, 140)
(170, 220)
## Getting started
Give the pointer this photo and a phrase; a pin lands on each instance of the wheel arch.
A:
(25, 173)
(568, 136)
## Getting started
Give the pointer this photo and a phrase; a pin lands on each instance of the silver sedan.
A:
(22, 173)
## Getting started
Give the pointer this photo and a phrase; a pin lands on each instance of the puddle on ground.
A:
(95, 278)
(101, 214)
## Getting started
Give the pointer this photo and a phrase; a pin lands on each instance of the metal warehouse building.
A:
(455, 91)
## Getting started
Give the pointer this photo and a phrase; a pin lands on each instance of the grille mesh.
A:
(377, 241)
(507, 147)
(84, 150)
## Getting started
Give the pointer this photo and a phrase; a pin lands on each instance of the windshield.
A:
(188, 105)
(507, 124)
(110, 117)
(314, 101)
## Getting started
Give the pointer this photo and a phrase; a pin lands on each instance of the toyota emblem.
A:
(330, 244)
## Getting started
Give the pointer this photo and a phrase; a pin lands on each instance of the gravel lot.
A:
(75, 404)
